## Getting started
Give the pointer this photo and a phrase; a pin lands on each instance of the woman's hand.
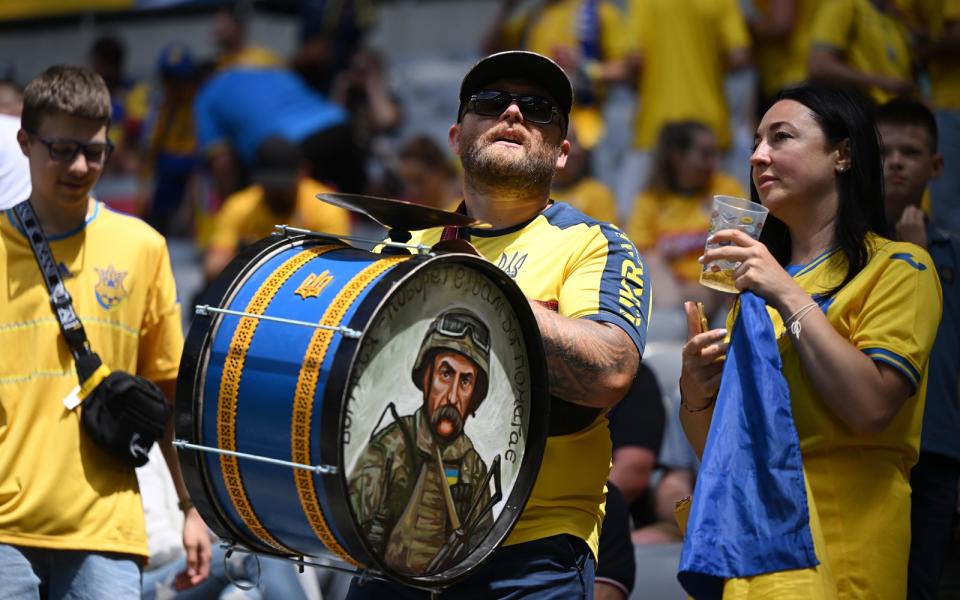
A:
(701, 364)
(758, 271)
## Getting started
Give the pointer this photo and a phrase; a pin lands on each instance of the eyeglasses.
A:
(458, 325)
(492, 103)
(66, 151)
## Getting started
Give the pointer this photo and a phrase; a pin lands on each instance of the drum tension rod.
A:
(286, 230)
(206, 309)
(318, 469)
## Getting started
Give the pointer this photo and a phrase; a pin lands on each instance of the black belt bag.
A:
(124, 414)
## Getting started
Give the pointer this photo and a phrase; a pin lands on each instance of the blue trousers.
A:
(559, 567)
(34, 573)
(275, 579)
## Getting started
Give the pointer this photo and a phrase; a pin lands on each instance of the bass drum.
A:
(404, 436)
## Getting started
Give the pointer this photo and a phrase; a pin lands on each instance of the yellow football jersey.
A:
(57, 488)
(246, 218)
(868, 40)
(783, 62)
(860, 484)
(556, 27)
(586, 269)
(683, 46)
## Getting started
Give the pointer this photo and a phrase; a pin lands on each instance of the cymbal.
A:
(399, 214)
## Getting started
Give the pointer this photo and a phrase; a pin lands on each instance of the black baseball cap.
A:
(523, 65)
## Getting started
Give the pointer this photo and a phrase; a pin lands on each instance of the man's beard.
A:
(532, 171)
(447, 412)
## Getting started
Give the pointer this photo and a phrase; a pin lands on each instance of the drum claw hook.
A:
(241, 582)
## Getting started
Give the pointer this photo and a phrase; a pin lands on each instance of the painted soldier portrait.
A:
(419, 489)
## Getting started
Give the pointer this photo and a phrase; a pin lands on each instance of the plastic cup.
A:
(730, 212)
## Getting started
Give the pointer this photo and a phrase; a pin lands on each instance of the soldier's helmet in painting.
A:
(461, 331)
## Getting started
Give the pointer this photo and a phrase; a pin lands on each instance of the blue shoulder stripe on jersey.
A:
(563, 216)
(624, 290)
(795, 270)
(896, 361)
(908, 258)
(624, 287)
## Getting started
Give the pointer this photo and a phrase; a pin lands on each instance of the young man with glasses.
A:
(71, 520)
(591, 297)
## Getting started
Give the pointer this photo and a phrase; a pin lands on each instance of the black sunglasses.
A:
(492, 103)
(66, 151)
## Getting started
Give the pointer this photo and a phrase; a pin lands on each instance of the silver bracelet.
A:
(793, 322)
(803, 308)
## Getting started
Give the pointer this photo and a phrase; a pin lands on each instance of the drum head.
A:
(444, 422)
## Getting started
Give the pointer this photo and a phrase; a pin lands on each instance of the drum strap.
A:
(86, 360)
(452, 232)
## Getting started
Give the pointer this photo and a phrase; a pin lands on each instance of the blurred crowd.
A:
(191, 142)
(217, 149)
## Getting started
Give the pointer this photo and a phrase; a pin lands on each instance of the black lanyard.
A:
(86, 359)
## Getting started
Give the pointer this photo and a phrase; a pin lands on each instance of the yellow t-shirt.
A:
(783, 62)
(676, 225)
(246, 218)
(867, 39)
(591, 197)
(683, 46)
(583, 269)
(555, 26)
(57, 488)
(860, 484)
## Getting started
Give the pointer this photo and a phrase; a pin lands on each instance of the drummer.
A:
(590, 294)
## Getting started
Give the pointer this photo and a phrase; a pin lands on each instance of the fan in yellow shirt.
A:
(855, 315)
(64, 500)
(781, 32)
(671, 217)
(586, 37)
(862, 43)
(685, 47)
(282, 195)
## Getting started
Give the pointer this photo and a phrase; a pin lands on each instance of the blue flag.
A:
(749, 514)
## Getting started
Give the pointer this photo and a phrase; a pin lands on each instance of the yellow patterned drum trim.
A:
(230, 389)
(306, 389)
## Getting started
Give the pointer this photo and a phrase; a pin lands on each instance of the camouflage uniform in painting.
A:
(397, 492)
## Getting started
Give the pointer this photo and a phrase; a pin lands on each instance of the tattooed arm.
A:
(588, 362)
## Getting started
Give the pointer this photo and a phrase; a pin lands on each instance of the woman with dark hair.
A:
(855, 315)
(671, 218)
